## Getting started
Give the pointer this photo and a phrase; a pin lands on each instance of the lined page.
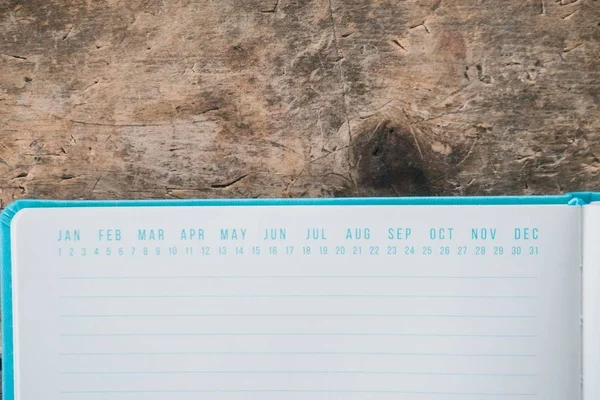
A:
(298, 302)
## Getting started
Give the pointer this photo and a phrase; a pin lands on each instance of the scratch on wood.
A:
(468, 152)
(112, 125)
(371, 113)
(569, 16)
(543, 7)
(228, 184)
(417, 142)
(205, 112)
(93, 84)
(345, 178)
(375, 131)
(294, 180)
(281, 146)
(565, 51)
(95, 184)
(457, 91)
(444, 114)
(66, 35)
(567, 2)
(209, 110)
(321, 60)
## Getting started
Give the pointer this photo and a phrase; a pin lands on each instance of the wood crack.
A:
(272, 10)
(112, 125)
(419, 25)
(343, 79)
(15, 56)
(397, 43)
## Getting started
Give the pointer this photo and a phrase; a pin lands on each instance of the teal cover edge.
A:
(575, 198)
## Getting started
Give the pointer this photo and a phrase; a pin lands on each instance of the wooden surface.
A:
(275, 98)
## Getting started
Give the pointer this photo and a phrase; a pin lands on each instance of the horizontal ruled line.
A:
(295, 334)
(309, 315)
(298, 277)
(277, 353)
(296, 372)
(396, 392)
(275, 296)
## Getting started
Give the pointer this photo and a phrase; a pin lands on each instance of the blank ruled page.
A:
(297, 302)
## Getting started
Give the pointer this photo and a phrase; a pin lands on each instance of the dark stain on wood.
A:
(389, 162)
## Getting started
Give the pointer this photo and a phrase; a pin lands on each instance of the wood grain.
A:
(287, 98)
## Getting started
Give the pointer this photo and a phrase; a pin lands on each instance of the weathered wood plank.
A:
(223, 98)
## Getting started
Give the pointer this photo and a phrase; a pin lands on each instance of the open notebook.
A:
(420, 299)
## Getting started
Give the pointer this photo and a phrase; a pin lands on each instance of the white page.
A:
(368, 325)
(591, 301)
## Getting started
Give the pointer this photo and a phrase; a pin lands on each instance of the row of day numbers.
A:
(136, 251)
